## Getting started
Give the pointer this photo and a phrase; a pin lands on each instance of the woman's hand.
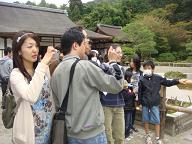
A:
(112, 55)
(48, 55)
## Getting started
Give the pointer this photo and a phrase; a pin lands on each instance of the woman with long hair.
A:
(29, 81)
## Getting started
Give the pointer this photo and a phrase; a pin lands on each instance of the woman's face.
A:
(119, 52)
(132, 65)
(29, 51)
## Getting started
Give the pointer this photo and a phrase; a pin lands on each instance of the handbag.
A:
(10, 109)
(59, 131)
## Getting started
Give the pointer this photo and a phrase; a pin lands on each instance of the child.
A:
(149, 97)
(135, 65)
(129, 98)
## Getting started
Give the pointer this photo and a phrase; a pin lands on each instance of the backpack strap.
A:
(65, 100)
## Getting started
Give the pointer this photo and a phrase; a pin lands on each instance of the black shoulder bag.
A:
(59, 131)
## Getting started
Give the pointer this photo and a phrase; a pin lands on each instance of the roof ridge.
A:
(24, 6)
(110, 26)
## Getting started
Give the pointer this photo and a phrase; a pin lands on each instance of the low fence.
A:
(172, 64)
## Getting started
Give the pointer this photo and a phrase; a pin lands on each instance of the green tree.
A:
(43, 3)
(162, 44)
(104, 13)
(189, 48)
(64, 7)
(142, 38)
(176, 36)
(52, 6)
(128, 53)
(30, 3)
(75, 10)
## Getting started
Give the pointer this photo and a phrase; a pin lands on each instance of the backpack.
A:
(11, 108)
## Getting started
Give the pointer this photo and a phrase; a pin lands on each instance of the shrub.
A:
(175, 75)
(166, 57)
(189, 59)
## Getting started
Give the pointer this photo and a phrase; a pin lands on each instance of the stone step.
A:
(188, 138)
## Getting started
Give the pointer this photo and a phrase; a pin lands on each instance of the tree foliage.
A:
(30, 3)
(142, 38)
(189, 48)
(168, 37)
(43, 3)
(75, 10)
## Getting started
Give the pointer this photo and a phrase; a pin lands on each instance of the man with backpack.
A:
(6, 66)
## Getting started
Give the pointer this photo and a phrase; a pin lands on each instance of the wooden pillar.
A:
(53, 42)
(163, 111)
(5, 42)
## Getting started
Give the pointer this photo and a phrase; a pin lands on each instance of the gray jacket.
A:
(84, 117)
(6, 66)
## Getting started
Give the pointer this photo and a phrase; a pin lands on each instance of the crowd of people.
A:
(103, 96)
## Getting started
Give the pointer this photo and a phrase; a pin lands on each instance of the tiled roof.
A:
(115, 31)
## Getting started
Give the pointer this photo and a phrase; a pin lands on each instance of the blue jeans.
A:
(98, 139)
(128, 121)
(151, 115)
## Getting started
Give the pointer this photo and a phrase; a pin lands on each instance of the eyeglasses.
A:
(88, 42)
(120, 53)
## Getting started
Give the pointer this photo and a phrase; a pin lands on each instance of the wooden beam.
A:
(162, 111)
(179, 109)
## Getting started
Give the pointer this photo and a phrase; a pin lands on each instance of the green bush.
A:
(175, 75)
(166, 57)
(189, 59)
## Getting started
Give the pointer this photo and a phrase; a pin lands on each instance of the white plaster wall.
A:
(9, 44)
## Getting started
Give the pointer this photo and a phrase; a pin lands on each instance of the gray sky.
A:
(57, 2)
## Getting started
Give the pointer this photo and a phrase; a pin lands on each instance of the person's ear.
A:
(75, 45)
(19, 52)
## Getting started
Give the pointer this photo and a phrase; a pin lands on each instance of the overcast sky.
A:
(57, 2)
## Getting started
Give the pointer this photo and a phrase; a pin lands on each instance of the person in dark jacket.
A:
(129, 98)
(149, 97)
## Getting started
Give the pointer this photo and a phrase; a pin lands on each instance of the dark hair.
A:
(137, 62)
(115, 45)
(69, 37)
(149, 63)
(101, 59)
(80, 28)
(91, 55)
(18, 40)
(128, 75)
(7, 50)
